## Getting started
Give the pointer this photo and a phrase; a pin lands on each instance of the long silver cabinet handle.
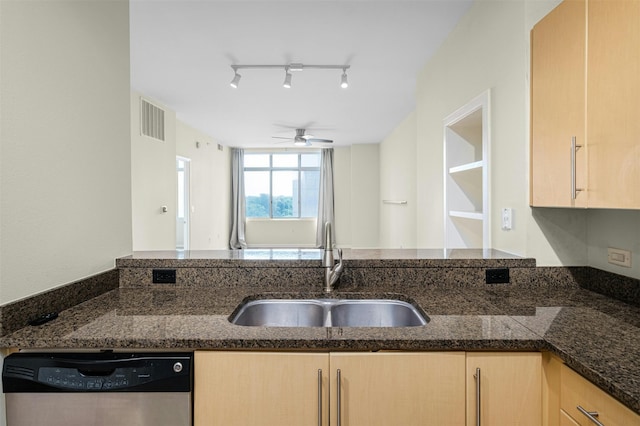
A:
(591, 415)
(477, 377)
(339, 397)
(574, 148)
(320, 397)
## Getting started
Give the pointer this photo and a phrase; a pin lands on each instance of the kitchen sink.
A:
(281, 313)
(328, 313)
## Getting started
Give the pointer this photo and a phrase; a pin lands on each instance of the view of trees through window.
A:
(282, 185)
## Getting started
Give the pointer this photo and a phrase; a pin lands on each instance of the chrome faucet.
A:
(331, 270)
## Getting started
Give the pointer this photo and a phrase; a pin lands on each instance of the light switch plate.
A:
(507, 219)
(619, 257)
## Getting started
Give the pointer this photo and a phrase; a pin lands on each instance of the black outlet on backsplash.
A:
(164, 276)
(497, 275)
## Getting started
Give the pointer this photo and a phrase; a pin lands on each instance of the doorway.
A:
(183, 210)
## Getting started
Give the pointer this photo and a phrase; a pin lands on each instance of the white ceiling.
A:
(181, 52)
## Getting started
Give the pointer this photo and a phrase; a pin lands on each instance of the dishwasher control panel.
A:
(73, 378)
(97, 372)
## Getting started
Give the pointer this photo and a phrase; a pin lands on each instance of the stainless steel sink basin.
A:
(375, 313)
(328, 313)
(281, 313)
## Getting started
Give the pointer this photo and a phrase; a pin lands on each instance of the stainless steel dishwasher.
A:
(98, 389)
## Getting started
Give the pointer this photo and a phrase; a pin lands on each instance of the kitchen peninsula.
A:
(544, 309)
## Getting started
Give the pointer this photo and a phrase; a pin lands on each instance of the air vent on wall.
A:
(151, 120)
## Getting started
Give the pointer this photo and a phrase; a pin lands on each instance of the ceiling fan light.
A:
(235, 81)
(301, 143)
(287, 80)
(344, 83)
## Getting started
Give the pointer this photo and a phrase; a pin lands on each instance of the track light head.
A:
(344, 83)
(235, 81)
(287, 79)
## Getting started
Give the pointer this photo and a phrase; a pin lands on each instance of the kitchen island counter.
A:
(594, 334)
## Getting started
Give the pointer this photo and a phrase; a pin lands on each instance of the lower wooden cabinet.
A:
(261, 388)
(282, 388)
(398, 388)
(509, 391)
(566, 420)
(576, 391)
(368, 389)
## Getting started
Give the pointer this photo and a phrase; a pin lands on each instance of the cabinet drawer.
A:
(576, 391)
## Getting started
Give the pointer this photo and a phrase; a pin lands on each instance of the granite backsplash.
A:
(307, 276)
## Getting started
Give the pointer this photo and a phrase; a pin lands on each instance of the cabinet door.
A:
(566, 420)
(613, 103)
(558, 106)
(510, 388)
(396, 388)
(260, 388)
(578, 391)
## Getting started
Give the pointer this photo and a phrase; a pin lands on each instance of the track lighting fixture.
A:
(288, 69)
(343, 81)
(287, 79)
(236, 80)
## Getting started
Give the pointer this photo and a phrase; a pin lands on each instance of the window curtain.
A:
(238, 210)
(325, 199)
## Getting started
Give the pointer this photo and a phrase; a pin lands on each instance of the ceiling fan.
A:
(301, 139)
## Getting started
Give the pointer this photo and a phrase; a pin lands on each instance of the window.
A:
(282, 185)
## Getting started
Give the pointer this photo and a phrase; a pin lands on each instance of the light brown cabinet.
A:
(282, 388)
(261, 388)
(558, 107)
(362, 388)
(585, 91)
(398, 388)
(577, 392)
(613, 103)
(506, 387)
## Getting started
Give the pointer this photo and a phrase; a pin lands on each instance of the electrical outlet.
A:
(619, 257)
(497, 276)
(164, 276)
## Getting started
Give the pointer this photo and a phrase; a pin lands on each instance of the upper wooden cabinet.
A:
(585, 64)
(558, 107)
(613, 103)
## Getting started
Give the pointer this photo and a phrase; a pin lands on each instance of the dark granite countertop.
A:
(596, 335)
(302, 258)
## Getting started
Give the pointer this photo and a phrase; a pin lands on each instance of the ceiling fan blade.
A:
(281, 137)
(316, 140)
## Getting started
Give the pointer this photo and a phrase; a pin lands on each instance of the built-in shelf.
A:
(466, 214)
(466, 176)
(476, 165)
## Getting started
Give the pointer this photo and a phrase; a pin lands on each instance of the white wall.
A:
(153, 182)
(209, 190)
(276, 233)
(489, 50)
(398, 183)
(65, 194)
(357, 195)
(365, 195)
(617, 229)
